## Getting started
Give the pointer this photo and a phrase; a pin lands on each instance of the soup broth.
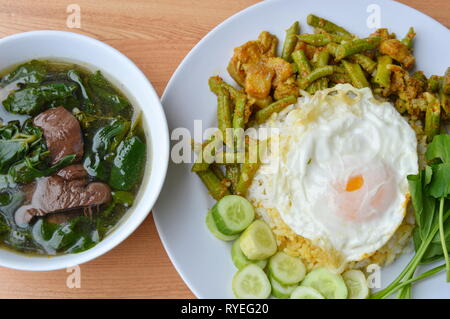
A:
(72, 157)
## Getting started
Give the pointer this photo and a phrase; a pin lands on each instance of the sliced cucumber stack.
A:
(285, 269)
(239, 259)
(258, 241)
(279, 290)
(327, 283)
(211, 224)
(356, 283)
(251, 283)
(302, 292)
(232, 214)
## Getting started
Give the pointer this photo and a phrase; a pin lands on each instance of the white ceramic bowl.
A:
(122, 72)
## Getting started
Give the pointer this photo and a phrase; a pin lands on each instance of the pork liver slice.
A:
(62, 133)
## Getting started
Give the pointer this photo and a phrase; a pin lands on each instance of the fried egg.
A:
(339, 174)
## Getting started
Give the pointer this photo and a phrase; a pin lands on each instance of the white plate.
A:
(203, 261)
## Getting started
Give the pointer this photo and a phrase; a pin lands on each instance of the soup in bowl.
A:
(83, 149)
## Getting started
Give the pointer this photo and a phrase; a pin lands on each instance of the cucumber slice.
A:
(211, 224)
(302, 292)
(327, 283)
(279, 290)
(251, 283)
(233, 214)
(257, 241)
(239, 259)
(285, 269)
(356, 284)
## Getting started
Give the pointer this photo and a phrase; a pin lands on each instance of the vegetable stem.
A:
(442, 235)
(412, 265)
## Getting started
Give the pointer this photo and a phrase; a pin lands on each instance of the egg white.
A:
(324, 142)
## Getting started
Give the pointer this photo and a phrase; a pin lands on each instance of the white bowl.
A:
(96, 55)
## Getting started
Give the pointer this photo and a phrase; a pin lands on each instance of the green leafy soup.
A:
(72, 157)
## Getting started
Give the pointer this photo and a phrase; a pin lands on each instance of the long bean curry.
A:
(72, 156)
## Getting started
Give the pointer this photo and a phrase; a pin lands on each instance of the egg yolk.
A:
(354, 183)
(364, 195)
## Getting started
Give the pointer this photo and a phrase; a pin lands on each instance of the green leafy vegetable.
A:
(430, 190)
(88, 104)
(31, 100)
(108, 138)
(5, 198)
(28, 169)
(4, 227)
(439, 185)
(77, 235)
(14, 143)
(439, 149)
(104, 143)
(119, 198)
(105, 93)
(128, 164)
(32, 72)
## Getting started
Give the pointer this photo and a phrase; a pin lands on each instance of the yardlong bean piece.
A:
(321, 39)
(215, 168)
(332, 48)
(248, 171)
(366, 63)
(224, 115)
(290, 41)
(446, 85)
(213, 184)
(216, 83)
(356, 46)
(262, 103)
(314, 75)
(239, 112)
(433, 83)
(321, 59)
(202, 164)
(356, 74)
(420, 76)
(232, 172)
(444, 99)
(340, 78)
(432, 116)
(326, 25)
(445, 104)
(408, 39)
(262, 115)
(383, 74)
(320, 84)
(239, 120)
(300, 59)
(317, 40)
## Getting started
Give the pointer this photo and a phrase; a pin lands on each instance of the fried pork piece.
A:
(251, 52)
(258, 80)
(398, 51)
(383, 33)
(409, 91)
(404, 85)
(255, 67)
(285, 89)
(283, 70)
